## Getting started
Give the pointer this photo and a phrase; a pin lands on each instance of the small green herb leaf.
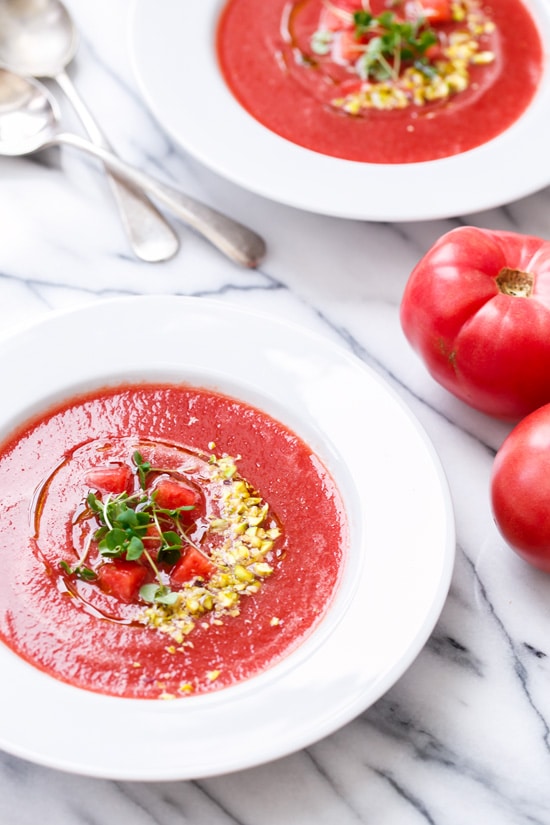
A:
(79, 571)
(94, 503)
(362, 21)
(166, 596)
(127, 517)
(172, 539)
(159, 594)
(85, 573)
(113, 543)
(134, 549)
(321, 42)
(143, 468)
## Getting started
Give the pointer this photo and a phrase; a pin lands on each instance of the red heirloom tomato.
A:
(477, 309)
(520, 488)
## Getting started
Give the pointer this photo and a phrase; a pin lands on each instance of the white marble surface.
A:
(464, 736)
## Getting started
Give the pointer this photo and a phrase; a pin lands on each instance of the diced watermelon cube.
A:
(114, 479)
(171, 494)
(436, 11)
(193, 563)
(121, 579)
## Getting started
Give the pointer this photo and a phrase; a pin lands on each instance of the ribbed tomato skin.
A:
(488, 348)
(520, 488)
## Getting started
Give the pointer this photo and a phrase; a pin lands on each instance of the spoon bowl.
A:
(39, 39)
(28, 115)
(29, 121)
(23, 44)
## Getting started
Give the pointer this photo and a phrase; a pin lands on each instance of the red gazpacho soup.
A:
(161, 541)
(382, 81)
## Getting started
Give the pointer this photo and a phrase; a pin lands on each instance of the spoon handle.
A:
(150, 235)
(240, 244)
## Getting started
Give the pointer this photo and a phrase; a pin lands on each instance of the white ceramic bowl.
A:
(174, 56)
(396, 575)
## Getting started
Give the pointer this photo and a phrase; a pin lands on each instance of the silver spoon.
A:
(38, 39)
(29, 122)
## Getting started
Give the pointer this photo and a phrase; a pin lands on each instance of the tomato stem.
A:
(515, 282)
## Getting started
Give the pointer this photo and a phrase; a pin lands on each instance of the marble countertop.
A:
(464, 735)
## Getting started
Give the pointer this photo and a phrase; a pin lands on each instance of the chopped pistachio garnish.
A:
(213, 675)
(244, 539)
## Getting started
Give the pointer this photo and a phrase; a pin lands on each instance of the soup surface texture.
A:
(163, 540)
(404, 82)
